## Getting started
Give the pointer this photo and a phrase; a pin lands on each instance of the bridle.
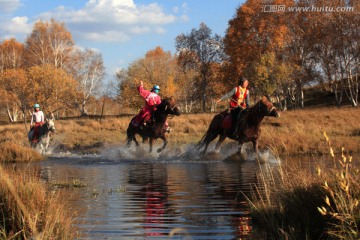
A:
(262, 107)
(169, 115)
(50, 127)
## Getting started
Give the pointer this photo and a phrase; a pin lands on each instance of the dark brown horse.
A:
(155, 128)
(249, 126)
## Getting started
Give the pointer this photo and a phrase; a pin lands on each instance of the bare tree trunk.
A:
(285, 105)
(9, 115)
(278, 100)
(102, 109)
(83, 111)
(25, 124)
(353, 89)
(203, 88)
(213, 105)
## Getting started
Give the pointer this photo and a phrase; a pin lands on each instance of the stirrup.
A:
(168, 130)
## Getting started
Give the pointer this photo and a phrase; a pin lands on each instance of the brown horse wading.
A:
(248, 129)
(155, 128)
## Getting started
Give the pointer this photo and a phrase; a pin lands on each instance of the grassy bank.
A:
(305, 204)
(295, 132)
(30, 211)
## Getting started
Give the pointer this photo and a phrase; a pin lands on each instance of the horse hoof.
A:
(159, 150)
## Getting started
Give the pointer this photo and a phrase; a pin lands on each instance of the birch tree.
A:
(11, 57)
(48, 43)
(199, 50)
(87, 68)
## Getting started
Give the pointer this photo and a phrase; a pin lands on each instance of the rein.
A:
(168, 115)
(261, 108)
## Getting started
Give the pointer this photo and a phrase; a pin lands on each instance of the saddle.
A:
(229, 118)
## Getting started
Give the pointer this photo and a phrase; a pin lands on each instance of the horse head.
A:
(267, 108)
(168, 106)
(50, 123)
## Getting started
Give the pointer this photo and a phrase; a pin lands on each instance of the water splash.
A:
(181, 153)
(189, 153)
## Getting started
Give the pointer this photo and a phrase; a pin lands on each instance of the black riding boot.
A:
(236, 133)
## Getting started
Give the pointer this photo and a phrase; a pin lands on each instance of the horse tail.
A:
(129, 131)
(202, 140)
(212, 131)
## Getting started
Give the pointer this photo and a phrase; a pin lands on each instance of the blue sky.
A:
(122, 30)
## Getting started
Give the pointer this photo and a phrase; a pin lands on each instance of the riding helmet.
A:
(156, 88)
(36, 105)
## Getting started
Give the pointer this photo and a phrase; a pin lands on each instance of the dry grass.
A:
(29, 211)
(306, 204)
(298, 132)
(295, 132)
(12, 152)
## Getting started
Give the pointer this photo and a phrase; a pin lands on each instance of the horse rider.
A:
(37, 120)
(239, 98)
(152, 99)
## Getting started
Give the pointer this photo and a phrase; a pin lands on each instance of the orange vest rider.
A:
(239, 96)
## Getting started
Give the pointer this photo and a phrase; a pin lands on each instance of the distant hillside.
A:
(318, 98)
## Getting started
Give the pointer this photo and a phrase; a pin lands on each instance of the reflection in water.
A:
(202, 199)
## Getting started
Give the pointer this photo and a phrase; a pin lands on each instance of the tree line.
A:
(47, 69)
(281, 53)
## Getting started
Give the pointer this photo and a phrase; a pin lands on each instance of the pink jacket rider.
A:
(151, 101)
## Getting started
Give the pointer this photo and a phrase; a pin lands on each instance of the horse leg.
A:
(255, 146)
(239, 148)
(47, 142)
(131, 136)
(41, 146)
(135, 140)
(221, 139)
(209, 138)
(164, 145)
(151, 141)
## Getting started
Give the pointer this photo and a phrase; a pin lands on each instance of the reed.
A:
(309, 204)
(30, 211)
(12, 152)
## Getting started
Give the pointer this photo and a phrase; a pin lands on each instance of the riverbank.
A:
(30, 211)
(318, 202)
(294, 133)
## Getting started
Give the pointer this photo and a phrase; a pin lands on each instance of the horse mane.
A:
(164, 101)
(253, 109)
(263, 100)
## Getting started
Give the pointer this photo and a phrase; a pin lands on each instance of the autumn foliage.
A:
(43, 70)
(281, 52)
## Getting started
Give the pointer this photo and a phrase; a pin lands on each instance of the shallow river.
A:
(132, 195)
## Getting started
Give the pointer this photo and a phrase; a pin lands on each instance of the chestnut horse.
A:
(249, 126)
(155, 128)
